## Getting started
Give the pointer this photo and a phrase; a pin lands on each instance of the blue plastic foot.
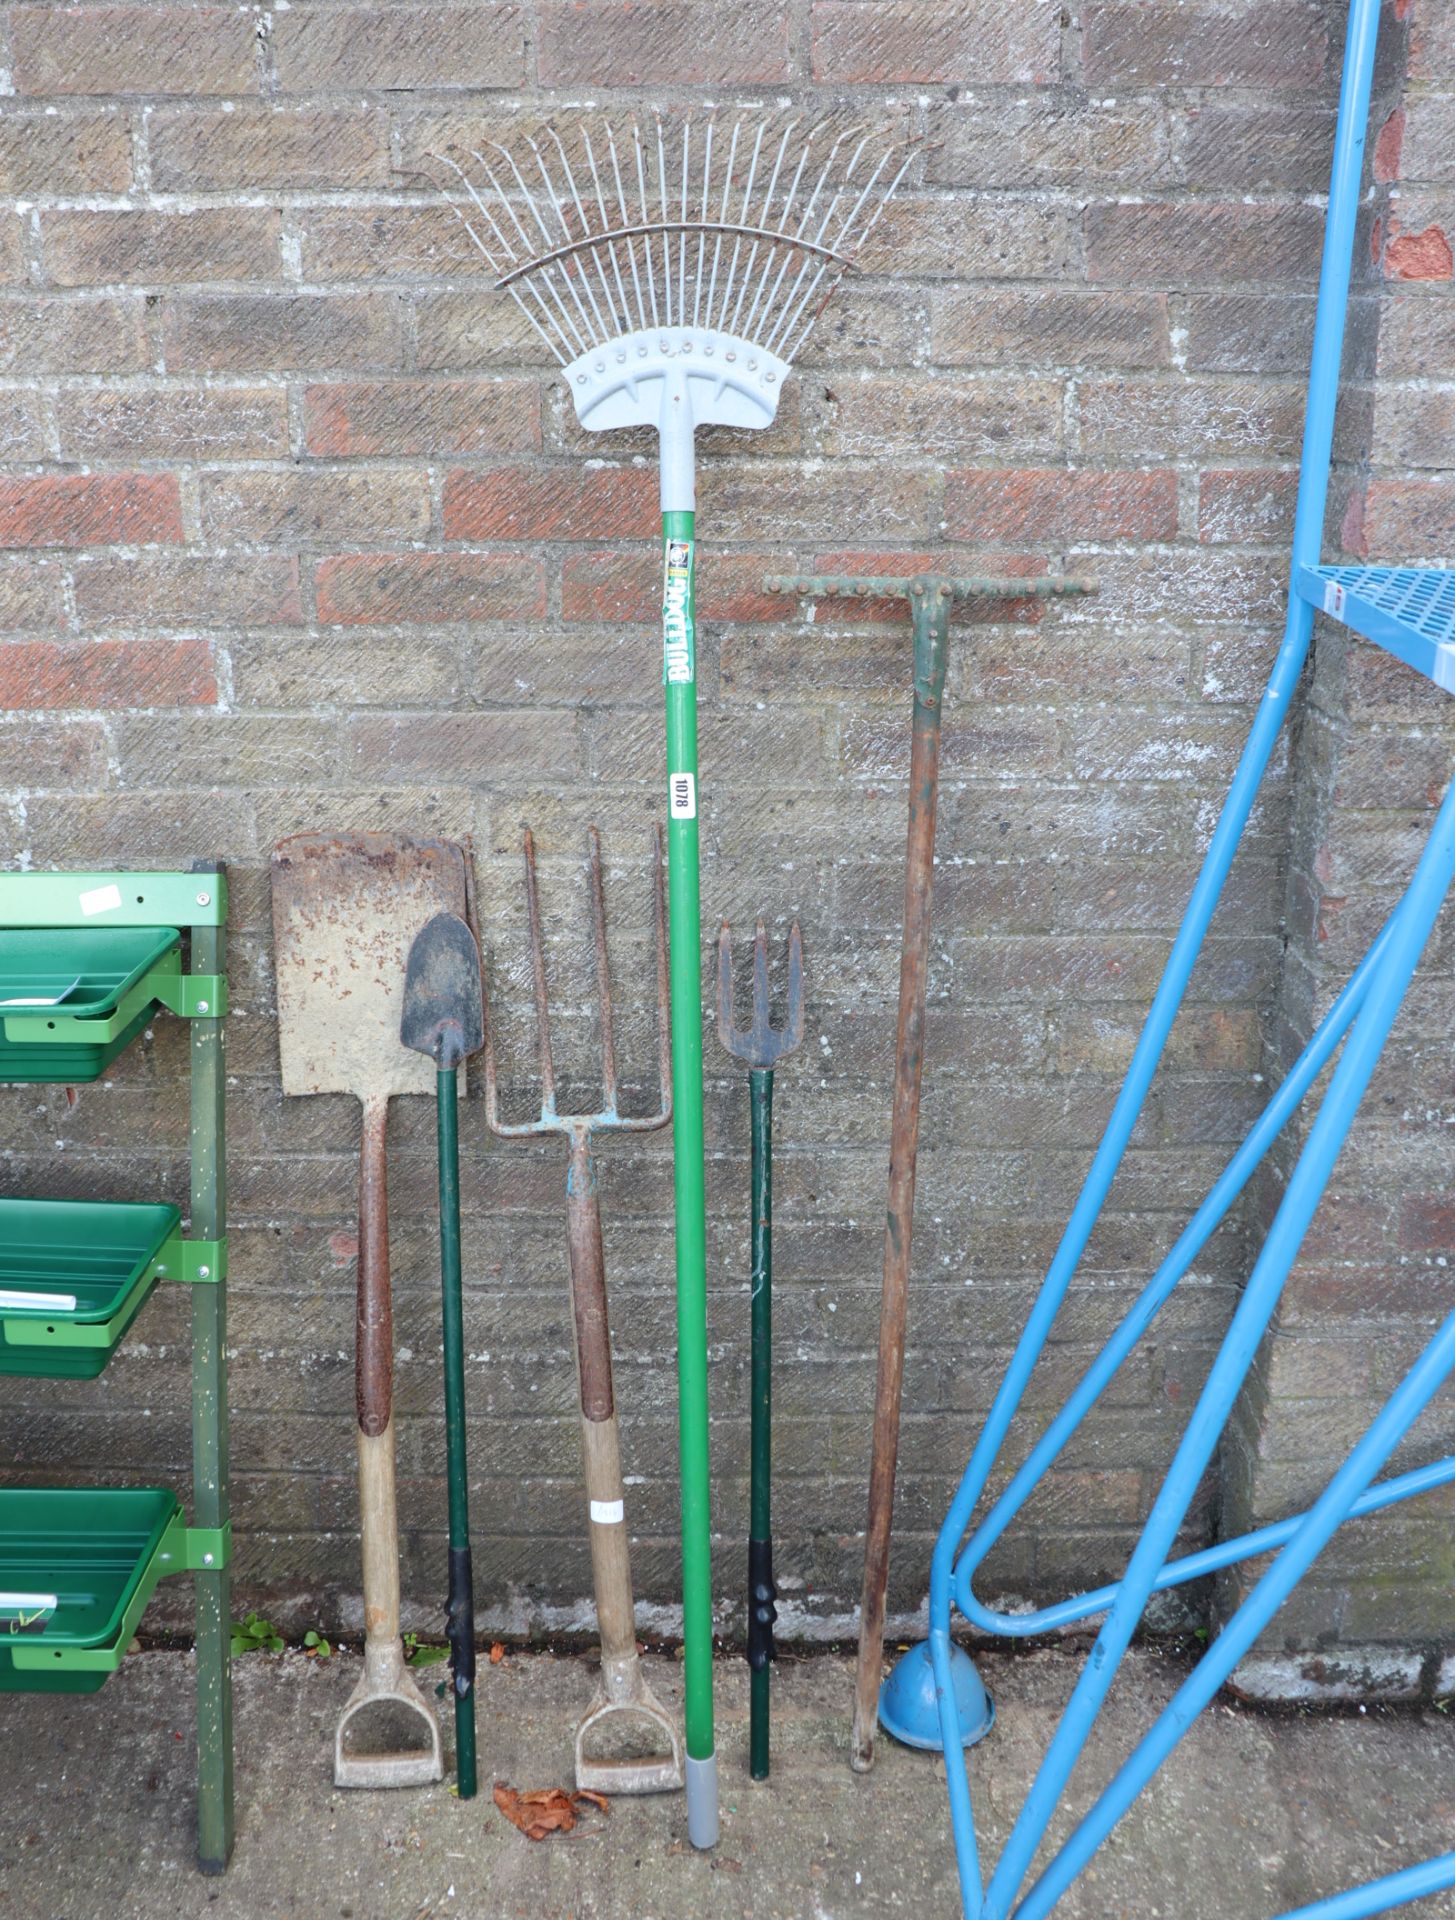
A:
(907, 1708)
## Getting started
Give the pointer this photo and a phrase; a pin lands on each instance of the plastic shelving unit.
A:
(87, 960)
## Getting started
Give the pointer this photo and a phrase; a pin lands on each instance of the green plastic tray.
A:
(97, 1555)
(104, 1256)
(92, 974)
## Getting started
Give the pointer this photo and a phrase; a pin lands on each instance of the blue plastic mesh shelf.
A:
(1410, 611)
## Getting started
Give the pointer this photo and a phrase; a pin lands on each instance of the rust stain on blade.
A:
(346, 909)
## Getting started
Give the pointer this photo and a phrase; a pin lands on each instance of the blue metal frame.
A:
(1411, 611)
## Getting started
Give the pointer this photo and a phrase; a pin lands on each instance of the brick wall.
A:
(300, 533)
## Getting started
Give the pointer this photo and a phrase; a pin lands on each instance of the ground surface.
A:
(1254, 1814)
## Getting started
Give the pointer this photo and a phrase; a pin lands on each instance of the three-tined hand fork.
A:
(623, 1689)
(761, 1046)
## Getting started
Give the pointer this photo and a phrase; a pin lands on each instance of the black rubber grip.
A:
(460, 1621)
(761, 1610)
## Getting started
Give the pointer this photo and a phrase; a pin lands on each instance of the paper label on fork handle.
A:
(682, 796)
(608, 1513)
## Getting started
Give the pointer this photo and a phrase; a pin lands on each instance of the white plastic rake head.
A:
(676, 289)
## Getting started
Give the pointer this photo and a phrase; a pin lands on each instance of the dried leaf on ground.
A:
(497, 1654)
(544, 1810)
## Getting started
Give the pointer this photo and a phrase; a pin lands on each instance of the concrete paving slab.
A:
(1255, 1813)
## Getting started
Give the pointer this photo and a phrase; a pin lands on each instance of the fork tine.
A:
(762, 1004)
(538, 970)
(603, 973)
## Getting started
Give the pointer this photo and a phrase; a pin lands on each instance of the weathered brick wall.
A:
(1371, 764)
(305, 536)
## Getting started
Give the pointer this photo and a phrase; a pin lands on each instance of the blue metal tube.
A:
(1274, 1117)
(1195, 1566)
(1379, 1896)
(1411, 926)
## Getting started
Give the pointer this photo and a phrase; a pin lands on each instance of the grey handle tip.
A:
(701, 1786)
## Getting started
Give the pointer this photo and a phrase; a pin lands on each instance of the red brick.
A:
(908, 42)
(482, 328)
(1424, 255)
(782, 500)
(1047, 327)
(1246, 503)
(616, 43)
(1388, 145)
(172, 423)
(1202, 245)
(1053, 505)
(1209, 419)
(308, 507)
(1276, 48)
(43, 755)
(217, 151)
(359, 589)
(551, 503)
(188, 590)
(43, 153)
(217, 243)
(89, 510)
(396, 49)
(46, 334)
(422, 417)
(150, 50)
(107, 675)
(314, 332)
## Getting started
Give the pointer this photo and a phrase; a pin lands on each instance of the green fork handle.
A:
(761, 1591)
(460, 1611)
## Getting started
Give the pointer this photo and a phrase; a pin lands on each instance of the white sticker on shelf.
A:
(1334, 599)
(17, 1297)
(608, 1513)
(682, 796)
(100, 900)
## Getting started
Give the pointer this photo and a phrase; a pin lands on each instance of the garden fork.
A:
(761, 1046)
(623, 1689)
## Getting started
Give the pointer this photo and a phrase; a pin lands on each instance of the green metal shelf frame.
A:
(195, 902)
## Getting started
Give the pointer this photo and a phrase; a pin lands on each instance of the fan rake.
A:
(674, 278)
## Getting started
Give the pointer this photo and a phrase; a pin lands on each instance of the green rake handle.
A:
(761, 1591)
(680, 675)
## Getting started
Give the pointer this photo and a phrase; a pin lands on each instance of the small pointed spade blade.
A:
(444, 1012)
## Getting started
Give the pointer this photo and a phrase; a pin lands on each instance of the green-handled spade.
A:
(444, 1017)
(761, 1046)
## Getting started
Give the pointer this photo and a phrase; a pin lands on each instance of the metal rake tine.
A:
(762, 1003)
(538, 971)
(603, 972)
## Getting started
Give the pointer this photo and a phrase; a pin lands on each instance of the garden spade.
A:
(444, 1017)
(345, 911)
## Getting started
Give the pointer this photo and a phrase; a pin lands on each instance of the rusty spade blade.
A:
(444, 1009)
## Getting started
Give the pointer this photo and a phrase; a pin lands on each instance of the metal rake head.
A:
(761, 1044)
(742, 233)
(607, 1116)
